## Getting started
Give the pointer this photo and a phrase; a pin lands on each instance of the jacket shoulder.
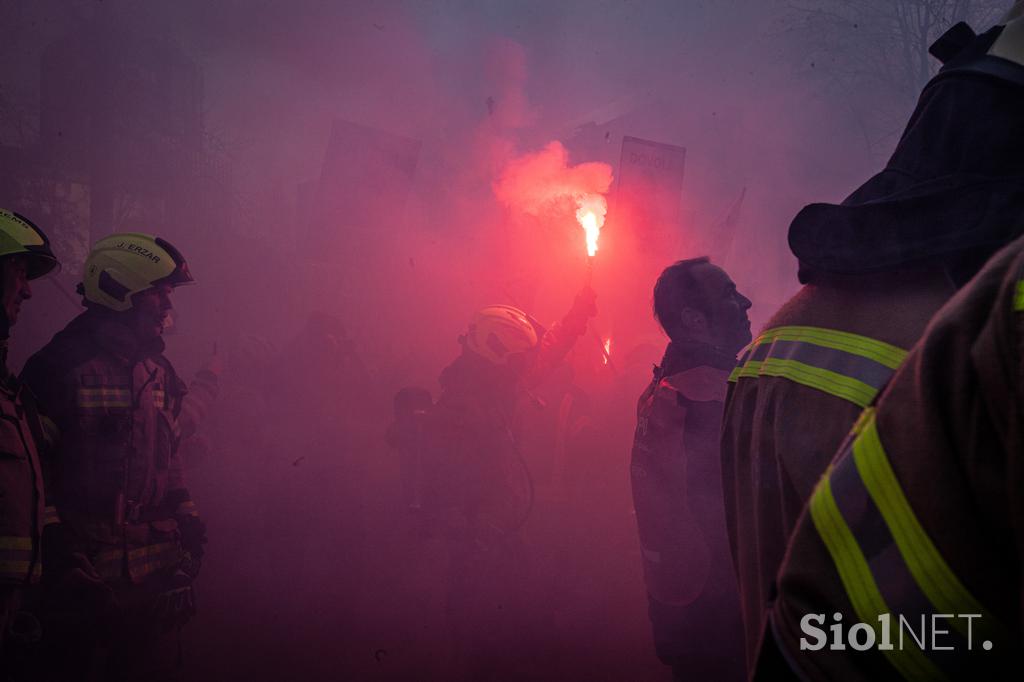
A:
(68, 349)
(46, 372)
(700, 384)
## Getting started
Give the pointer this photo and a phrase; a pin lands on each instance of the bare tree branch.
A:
(873, 54)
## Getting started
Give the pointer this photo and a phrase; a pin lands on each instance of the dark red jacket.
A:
(121, 411)
(680, 514)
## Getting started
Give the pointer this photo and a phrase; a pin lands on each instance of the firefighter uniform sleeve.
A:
(51, 399)
(196, 402)
(1017, 464)
(178, 499)
(45, 380)
(1015, 310)
(188, 408)
(559, 340)
(676, 555)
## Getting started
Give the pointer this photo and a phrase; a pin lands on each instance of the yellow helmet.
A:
(123, 264)
(500, 331)
(19, 236)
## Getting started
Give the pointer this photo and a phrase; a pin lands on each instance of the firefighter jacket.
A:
(472, 467)
(121, 411)
(915, 529)
(877, 267)
(22, 510)
(793, 396)
(677, 496)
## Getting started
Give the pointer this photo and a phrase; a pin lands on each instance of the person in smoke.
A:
(875, 268)
(405, 436)
(476, 485)
(323, 353)
(676, 478)
(121, 501)
(24, 255)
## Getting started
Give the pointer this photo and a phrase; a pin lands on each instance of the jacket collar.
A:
(111, 334)
(683, 355)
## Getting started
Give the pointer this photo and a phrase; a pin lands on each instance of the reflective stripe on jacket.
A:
(915, 527)
(22, 509)
(848, 366)
(141, 561)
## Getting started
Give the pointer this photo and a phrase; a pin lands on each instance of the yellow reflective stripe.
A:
(20, 569)
(108, 563)
(142, 552)
(152, 558)
(737, 371)
(849, 366)
(839, 385)
(883, 353)
(104, 397)
(15, 542)
(931, 572)
(858, 582)
(1018, 298)
(141, 561)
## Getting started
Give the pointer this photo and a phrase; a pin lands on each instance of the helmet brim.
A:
(41, 265)
(181, 275)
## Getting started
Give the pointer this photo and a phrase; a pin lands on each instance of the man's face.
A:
(729, 325)
(16, 287)
(150, 309)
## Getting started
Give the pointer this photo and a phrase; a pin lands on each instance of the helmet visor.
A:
(41, 261)
(181, 274)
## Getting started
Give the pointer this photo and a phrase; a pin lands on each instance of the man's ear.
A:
(692, 320)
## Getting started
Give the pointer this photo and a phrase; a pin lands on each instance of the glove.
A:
(82, 581)
(69, 577)
(174, 608)
(584, 306)
(62, 566)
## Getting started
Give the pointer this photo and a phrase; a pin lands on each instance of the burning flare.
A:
(607, 351)
(590, 214)
(543, 183)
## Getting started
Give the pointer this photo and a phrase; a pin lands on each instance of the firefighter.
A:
(404, 435)
(875, 269)
(25, 255)
(121, 410)
(691, 589)
(917, 521)
(476, 487)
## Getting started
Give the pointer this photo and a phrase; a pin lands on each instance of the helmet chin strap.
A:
(5, 324)
(5, 332)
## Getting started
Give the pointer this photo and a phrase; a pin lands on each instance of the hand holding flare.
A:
(590, 215)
